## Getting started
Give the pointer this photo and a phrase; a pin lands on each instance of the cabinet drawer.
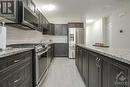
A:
(12, 60)
(22, 75)
(17, 78)
(13, 79)
(18, 58)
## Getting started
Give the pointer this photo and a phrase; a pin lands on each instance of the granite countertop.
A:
(122, 55)
(12, 51)
(18, 48)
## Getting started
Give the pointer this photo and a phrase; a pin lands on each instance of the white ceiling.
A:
(80, 9)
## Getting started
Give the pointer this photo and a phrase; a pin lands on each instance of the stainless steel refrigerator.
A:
(76, 36)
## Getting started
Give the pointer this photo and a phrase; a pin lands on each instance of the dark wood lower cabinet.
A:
(94, 70)
(85, 67)
(18, 73)
(80, 62)
(101, 71)
(50, 54)
(61, 49)
(115, 74)
(76, 57)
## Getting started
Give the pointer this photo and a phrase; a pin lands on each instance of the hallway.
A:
(63, 73)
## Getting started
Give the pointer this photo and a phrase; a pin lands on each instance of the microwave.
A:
(26, 16)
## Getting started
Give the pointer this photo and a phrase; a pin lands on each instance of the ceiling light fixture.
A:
(49, 7)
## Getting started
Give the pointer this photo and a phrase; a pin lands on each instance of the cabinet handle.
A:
(97, 59)
(98, 62)
(16, 81)
(16, 61)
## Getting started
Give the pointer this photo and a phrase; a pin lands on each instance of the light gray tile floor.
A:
(63, 73)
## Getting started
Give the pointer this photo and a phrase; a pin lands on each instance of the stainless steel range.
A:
(41, 63)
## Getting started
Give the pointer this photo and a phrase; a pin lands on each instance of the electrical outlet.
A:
(121, 31)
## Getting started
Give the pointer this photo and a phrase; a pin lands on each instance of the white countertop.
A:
(122, 55)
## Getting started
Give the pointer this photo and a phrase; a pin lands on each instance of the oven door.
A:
(41, 65)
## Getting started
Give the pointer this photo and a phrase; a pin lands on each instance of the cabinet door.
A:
(51, 29)
(4, 82)
(115, 74)
(85, 66)
(58, 29)
(28, 74)
(79, 25)
(80, 60)
(52, 52)
(76, 56)
(94, 70)
(13, 79)
(61, 50)
(61, 29)
(64, 29)
(49, 56)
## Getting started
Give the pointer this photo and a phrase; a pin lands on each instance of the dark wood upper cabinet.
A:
(51, 29)
(61, 29)
(27, 16)
(65, 29)
(44, 25)
(75, 25)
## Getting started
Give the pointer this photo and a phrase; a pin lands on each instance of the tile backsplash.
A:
(19, 36)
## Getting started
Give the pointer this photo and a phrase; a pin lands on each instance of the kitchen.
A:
(59, 43)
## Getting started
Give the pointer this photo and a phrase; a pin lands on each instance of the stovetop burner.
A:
(40, 47)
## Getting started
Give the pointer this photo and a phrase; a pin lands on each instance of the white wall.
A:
(120, 19)
(94, 32)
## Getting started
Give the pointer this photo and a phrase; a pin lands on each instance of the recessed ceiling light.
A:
(49, 7)
(89, 21)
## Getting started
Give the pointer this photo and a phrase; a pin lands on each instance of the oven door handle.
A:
(40, 53)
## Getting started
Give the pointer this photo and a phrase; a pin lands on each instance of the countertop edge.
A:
(19, 50)
(121, 59)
